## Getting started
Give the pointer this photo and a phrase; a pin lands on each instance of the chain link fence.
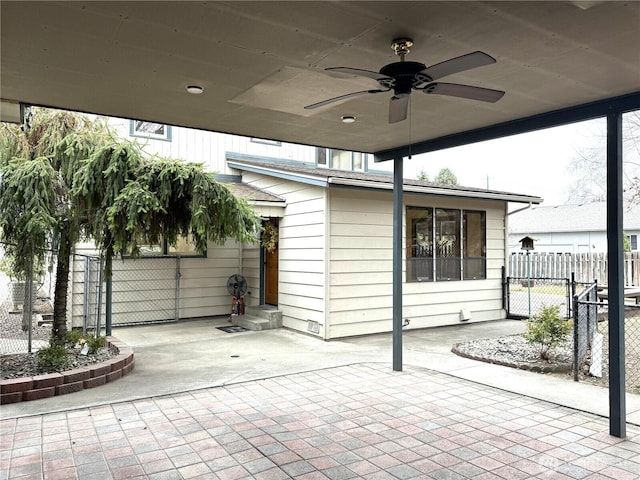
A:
(591, 340)
(26, 308)
(145, 290)
(580, 303)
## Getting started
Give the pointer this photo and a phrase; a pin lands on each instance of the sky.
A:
(535, 163)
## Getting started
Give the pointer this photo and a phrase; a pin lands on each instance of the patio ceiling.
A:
(260, 63)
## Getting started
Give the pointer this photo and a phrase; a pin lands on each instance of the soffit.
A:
(261, 62)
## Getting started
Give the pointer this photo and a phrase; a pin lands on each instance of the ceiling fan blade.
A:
(458, 64)
(398, 107)
(342, 97)
(464, 91)
(358, 71)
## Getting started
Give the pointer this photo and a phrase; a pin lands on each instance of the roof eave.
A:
(274, 172)
(323, 181)
(429, 190)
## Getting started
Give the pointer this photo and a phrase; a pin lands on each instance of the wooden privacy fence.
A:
(586, 266)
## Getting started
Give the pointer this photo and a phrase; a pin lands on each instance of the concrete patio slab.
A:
(274, 404)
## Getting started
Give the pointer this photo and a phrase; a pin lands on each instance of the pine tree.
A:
(64, 177)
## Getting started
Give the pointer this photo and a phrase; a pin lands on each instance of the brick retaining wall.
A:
(52, 384)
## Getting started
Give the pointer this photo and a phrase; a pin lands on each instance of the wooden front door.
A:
(271, 274)
(271, 277)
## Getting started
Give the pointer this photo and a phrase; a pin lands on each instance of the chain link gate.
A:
(145, 290)
(525, 297)
(92, 294)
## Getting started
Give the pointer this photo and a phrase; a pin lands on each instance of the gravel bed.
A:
(20, 365)
(14, 339)
(515, 351)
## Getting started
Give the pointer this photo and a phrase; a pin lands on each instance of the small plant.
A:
(76, 339)
(72, 338)
(95, 343)
(53, 358)
(548, 329)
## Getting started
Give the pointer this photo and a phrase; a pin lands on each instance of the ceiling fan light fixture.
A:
(348, 118)
(194, 89)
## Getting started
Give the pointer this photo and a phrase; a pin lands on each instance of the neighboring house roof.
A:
(249, 192)
(327, 177)
(588, 217)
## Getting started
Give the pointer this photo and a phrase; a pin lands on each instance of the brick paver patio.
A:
(358, 421)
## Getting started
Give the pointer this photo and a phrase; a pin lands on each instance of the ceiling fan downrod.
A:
(402, 47)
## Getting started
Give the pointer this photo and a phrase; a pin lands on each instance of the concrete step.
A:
(267, 312)
(251, 322)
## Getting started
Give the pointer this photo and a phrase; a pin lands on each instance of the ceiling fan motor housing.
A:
(402, 76)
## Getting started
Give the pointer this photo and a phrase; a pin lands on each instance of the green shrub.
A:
(548, 329)
(72, 338)
(52, 358)
(95, 343)
(76, 339)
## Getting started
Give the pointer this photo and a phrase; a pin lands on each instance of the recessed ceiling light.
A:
(195, 89)
(348, 118)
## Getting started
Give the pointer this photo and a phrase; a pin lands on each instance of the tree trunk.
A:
(62, 286)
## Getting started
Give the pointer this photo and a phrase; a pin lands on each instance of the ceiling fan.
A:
(402, 77)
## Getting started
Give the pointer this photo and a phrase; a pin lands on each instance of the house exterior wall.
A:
(250, 270)
(360, 268)
(430, 304)
(563, 242)
(360, 263)
(209, 148)
(335, 258)
(301, 250)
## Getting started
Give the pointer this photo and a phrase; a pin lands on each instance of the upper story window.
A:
(340, 159)
(445, 244)
(264, 141)
(157, 131)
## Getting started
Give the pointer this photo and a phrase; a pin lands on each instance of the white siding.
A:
(301, 251)
(564, 242)
(210, 148)
(360, 285)
(360, 267)
(203, 281)
(251, 272)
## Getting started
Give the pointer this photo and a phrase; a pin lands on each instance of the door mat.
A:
(233, 329)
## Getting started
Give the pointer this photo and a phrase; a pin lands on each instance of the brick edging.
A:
(51, 384)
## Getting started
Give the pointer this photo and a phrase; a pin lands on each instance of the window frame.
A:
(325, 159)
(165, 250)
(443, 268)
(466, 269)
(135, 132)
(265, 141)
